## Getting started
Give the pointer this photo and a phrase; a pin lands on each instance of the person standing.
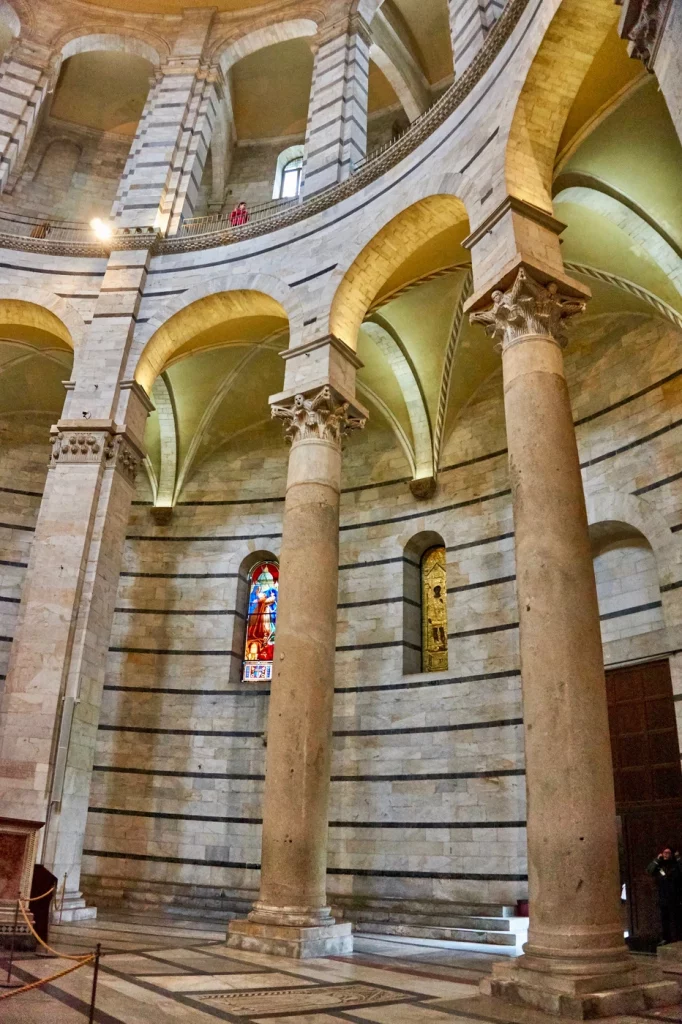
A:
(239, 216)
(666, 870)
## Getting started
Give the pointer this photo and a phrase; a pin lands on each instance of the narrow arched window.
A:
(434, 610)
(261, 622)
(291, 179)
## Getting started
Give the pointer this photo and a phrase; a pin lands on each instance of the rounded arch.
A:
(285, 157)
(42, 310)
(416, 643)
(571, 41)
(10, 19)
(384, 246)
(229, 54)
(114, 42)
(208, 304)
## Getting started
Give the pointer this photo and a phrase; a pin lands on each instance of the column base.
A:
(582, 997)
(74, 909)
(299, 943)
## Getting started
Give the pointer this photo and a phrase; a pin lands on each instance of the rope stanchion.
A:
(32, 899)
(34, 933)
(45, 981)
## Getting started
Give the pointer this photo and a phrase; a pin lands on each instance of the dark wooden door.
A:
(647, 779)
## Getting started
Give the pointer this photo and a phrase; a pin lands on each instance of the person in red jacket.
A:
(239, 216)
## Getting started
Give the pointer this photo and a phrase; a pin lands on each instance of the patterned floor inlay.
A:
(171, 971)
(255, 1004)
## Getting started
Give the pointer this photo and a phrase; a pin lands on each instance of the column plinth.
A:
(292, 917)
(575, 962)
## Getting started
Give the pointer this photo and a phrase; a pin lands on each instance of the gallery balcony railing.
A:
(69, 238)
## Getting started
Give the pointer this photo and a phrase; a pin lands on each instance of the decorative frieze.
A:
(528, 308)
(120, 455)
(321, 416)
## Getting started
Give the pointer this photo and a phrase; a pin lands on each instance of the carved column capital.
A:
(317, 415)
(528, 308)
(642, 25)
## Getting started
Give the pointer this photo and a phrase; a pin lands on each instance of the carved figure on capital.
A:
(645, 32)
(528, 308)
(76, 447)
(321, 416)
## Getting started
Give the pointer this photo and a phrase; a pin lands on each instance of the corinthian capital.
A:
(528, 308)
(318, 415)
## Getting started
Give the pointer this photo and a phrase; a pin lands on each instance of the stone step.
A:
(409, 931)
(444, 919)
(411, 906)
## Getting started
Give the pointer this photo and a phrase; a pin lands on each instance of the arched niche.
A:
(626, 573)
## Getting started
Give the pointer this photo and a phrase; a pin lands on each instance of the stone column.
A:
(26, 77)
(336, 137)
(470, 22)
(575, 961)
(291, 917)
(653, 29)
(163, 172)
(50, 706)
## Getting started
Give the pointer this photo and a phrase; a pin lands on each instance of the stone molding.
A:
(319, 415)
(528, 309)
(103, 445)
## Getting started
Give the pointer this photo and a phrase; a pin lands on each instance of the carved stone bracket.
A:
(122, 456)
(74, 447)
(528, 308)
(321, 415)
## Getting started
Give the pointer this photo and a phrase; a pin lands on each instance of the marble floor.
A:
(180, 972)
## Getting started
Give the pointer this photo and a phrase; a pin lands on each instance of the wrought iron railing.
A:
(223, 221)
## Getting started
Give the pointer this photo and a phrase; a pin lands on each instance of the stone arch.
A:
(229, 54)
(37, 307)
(573, 36)
(285, 157)
(384, 244)
(214, 301)
(114, 42)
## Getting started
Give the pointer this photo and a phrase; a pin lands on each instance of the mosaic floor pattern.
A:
(161, 971)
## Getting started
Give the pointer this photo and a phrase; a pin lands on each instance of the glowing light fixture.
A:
(101, 229)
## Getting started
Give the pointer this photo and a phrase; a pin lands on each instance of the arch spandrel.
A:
(563, 58)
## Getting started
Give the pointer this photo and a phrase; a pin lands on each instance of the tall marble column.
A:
(575, 961)
(291, 917)
(653, 29)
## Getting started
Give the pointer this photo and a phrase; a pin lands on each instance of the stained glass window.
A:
(434, 611)
(261, 622)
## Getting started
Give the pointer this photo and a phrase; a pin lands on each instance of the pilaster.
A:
(163, 172)
(50, 707)
(336, 137)
(27, 75)
(470, 22)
